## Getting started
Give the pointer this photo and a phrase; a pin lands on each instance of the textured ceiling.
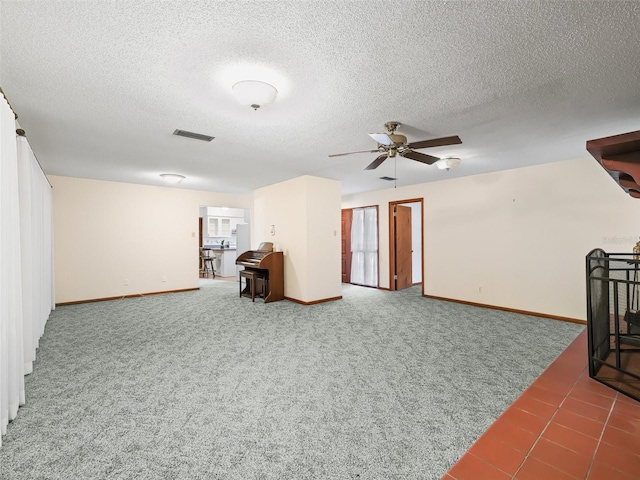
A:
(100, 87)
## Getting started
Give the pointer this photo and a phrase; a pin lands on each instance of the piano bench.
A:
(254, 281)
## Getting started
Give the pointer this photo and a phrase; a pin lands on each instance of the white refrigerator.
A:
(243, 243)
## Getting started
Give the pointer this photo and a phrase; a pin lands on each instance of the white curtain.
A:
(36, 239)
(11, 338)
(26, 263)
(364, 246)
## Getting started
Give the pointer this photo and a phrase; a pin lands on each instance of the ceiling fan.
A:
(391, 144)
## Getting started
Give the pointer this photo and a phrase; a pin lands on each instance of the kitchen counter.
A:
(225, 261)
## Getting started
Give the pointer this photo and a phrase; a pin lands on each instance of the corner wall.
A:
(107, 234)
(305, 214)
(516, 238)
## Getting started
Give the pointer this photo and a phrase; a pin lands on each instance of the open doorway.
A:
(406, 243)
(223, 235)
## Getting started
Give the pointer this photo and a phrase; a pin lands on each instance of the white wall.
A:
(515, 238)
(416, 241)
(324, 223)
(280, 206)
(305, 214)
(109, 232)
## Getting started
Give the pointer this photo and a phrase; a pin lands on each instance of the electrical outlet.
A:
(164, 279)
(479, 289)
(126, 282)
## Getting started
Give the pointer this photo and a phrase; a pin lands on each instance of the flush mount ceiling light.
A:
(448, 163)
(254, 93)
(172, 177)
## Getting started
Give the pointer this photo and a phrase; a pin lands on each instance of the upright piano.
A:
(270, 266)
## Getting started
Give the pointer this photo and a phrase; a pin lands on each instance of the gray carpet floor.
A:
(204, 385)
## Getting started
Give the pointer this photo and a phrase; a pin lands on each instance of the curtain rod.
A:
(5, 97)
(20, 132)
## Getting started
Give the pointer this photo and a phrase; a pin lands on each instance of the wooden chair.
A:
(256, 284)
(207, 258)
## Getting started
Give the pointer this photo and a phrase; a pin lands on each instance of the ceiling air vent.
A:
(388, 179)
(196, 136)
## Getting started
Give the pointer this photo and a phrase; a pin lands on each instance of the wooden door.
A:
(346, 245)
(403, 248)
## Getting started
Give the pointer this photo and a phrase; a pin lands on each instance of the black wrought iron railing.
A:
(613, 320)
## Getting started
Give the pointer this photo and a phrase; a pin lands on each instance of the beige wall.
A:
(324, 267)
(109, 232)
(305, 213)
(516, 238)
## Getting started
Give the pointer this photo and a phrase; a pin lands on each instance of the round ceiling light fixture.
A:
(254, 93)
(448, 163)
(172, 177)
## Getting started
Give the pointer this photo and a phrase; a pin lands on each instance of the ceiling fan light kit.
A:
(448, 163)
(254, 93)
(391, 144)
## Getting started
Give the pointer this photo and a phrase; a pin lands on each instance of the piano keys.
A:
(269, 267)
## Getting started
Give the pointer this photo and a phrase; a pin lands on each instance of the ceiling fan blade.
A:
(381, 138)
(436, 142)
(420, 157)
(376, 163)
(349, 153)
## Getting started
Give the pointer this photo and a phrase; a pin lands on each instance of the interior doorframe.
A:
(392, 240)
(346, 233)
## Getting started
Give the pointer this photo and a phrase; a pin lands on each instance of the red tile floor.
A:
(564, 426)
